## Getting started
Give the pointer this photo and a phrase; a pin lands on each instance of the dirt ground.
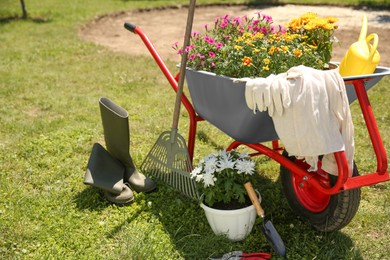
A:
(164, 26)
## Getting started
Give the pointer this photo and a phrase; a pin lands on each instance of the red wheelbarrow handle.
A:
(129, 26)
(194, 118)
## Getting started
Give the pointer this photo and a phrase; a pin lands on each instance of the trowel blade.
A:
(274, 238)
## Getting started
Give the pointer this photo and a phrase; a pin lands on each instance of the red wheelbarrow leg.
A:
(381, 173)
(372, 127)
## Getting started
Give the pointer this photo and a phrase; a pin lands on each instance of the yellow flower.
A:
(310, 26)
(239, 39)
(295, 24)
(265, 68)
(284, 48)
(272, 50)
(308, 16)
(247, 35)
(266, 61)
(249, 42)
(332, 19)
(329, 26)
(237, 47)
(258, 35)
(255, 50)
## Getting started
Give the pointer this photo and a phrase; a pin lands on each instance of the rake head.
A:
(168, 160)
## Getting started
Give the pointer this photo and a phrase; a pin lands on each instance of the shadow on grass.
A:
(9, 19)
(202, 136)
(91, 198)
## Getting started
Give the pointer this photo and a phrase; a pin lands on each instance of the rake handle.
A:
(180, 84)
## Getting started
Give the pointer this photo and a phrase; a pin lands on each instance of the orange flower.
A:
(298, 53)
(247, 61)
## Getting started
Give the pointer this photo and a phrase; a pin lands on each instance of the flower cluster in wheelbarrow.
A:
(220, 176)
(255, 47)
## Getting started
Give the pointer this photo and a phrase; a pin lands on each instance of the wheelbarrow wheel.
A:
(324, 212)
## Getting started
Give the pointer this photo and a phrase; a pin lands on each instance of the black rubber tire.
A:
(341, 209)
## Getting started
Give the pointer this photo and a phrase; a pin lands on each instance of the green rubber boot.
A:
(117, 137)
(106, 173)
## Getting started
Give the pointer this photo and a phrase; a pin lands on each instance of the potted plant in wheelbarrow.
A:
(220, 178)
(244, 47)
(239, 47)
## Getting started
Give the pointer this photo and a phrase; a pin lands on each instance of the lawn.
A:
(50, 83)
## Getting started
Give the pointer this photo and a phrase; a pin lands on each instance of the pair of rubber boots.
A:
(113, 169)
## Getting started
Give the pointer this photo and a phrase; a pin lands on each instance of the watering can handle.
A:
(374, 46)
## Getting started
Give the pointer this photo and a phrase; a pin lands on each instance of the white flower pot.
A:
(235, 224)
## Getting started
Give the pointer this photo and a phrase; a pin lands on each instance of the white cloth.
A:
(312, 113)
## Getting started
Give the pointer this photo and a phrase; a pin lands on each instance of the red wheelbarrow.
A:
(327, 203)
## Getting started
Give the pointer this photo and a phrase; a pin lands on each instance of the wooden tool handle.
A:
(255, 200)
(180, 84)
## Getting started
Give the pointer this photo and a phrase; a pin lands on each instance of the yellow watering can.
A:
(361, 57)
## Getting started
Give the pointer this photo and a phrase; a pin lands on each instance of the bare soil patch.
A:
(164, 26)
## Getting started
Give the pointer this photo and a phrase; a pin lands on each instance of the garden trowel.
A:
(268, 228)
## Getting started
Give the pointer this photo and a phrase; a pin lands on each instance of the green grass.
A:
(50, 83)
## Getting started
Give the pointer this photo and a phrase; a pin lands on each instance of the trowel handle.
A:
(255, 200)
(374, 44)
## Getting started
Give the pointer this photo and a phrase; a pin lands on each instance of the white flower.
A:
(209, 179)
(243, 155)
(245, 166)
(209, 157)
(196, 171)
(225, 162)
(199, 178)
(211, 165)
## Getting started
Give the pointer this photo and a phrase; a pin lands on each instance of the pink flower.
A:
(189, 48)
(224, 23)
(282, 29)
(192, 56)
(218, 45)
(208, 39)
(267, 18)
(237, 20)
(175, 45)
(211, 54)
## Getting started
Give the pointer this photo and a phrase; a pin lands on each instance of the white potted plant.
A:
(220, 177)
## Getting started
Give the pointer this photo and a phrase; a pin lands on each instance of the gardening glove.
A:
(280, 92)
(249, 97)
(258, 94)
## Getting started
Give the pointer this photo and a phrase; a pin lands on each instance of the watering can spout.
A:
(362, 57)
(363, 30)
